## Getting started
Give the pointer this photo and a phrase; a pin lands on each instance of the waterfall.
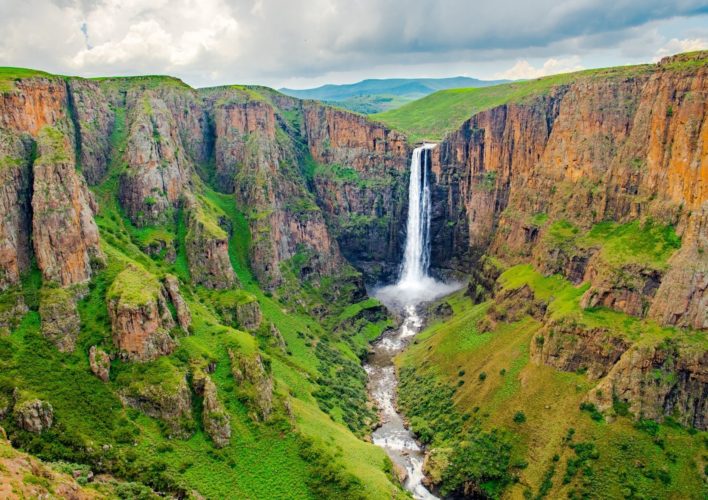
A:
(414, 284)
(416, 259)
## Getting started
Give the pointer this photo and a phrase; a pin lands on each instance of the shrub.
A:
(519, 417)
(482, 376)
(593, 411)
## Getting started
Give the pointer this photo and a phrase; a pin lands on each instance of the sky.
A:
(306, 43)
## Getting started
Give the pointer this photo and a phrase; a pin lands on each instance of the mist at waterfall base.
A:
(415, 285)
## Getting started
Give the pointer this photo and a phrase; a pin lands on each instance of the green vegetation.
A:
(134, 287)
(431, 117)
(546, 434)
(8, 76)
(305, 450)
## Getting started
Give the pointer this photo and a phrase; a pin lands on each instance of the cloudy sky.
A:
(302, 43)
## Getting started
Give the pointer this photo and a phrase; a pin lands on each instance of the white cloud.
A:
(523, 70)
(161, 34)
(675, 46)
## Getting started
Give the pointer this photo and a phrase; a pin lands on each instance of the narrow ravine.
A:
(404, 298)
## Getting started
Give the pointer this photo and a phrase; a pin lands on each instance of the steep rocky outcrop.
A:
(66, 242)
(100, 363)
(240, 310)
(572, 347)
(15, 196)
(158, 171)
(511, 305)
(664, 380)
(254, 381)
(214, 416)
(169, 400)
(682, 297)
(257, 158)
(624, 145)
(94, 122)
(140, 319)
(61, 323)
(208, 250)
(360, 180)
(184, 317)
(32, 414)
(34, 103)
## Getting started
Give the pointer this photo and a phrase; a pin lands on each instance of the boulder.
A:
(184, 317)
(214, 416)
(208, 251)
(32, 414)
(100, 363)
(169, 400)
(254, 381)
(60, 320)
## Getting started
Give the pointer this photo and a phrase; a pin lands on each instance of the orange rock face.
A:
(620, 148)
(34, 103)
(66, 242)
(140, 320)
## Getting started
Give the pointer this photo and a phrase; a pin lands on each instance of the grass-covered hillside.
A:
(374, 96)
(431, 117)
(503, 391)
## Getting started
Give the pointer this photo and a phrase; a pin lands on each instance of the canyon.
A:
(201, 264)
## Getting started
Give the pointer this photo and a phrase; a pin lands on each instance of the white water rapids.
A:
(413, 288)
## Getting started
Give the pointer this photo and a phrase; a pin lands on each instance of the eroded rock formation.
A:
(60, 320)
(140, 318)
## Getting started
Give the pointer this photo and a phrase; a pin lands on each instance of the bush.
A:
(482, 376)
(483, 461)
(519, 417)
(595, 414)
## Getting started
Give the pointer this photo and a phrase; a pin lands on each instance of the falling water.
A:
(414, 287)
(416, 258)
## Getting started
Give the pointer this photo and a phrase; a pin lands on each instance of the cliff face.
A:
(15, 196)
(257, 157)
(94, 121)
(158, 169)
(37, 142)
(360, 180)
(624, 148)
(65, 235)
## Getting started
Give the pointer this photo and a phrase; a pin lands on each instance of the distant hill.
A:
(377, 95)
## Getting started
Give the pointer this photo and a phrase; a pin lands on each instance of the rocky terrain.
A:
(192, 264)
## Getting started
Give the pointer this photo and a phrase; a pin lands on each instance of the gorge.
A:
(414, 286)
(194, 284)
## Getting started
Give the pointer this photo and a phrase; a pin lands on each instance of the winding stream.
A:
(393, 435)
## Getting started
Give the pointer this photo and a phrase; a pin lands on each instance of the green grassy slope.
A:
(485, 382)
(431, 117)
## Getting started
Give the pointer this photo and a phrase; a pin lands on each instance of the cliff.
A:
(534, 179)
